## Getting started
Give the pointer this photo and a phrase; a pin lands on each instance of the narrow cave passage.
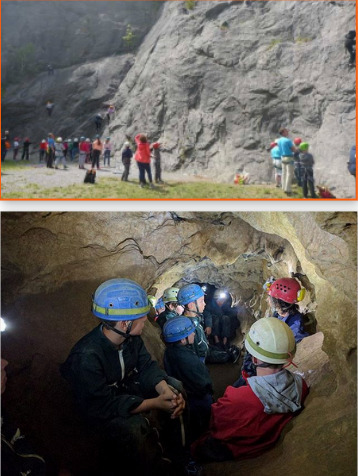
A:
(53, 262)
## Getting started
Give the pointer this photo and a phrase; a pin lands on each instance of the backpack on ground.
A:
(90, 176)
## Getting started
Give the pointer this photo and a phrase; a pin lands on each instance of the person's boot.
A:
(192, 468)
(234, 353)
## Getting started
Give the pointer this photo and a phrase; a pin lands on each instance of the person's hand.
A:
(178, 410)
(166, 391)
(180, 403)
(170, 399)
(168, 405)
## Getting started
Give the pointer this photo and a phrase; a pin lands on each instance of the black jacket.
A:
(181, 362)
(107, 382)
(127, 154)
(165, 316)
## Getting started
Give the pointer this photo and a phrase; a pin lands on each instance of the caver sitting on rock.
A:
(191, 297)
(222, 318)
(248, 420)
(283, 296)
(172, 308)
(181, 362)
(116, 383)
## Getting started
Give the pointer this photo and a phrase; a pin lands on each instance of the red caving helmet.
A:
(287, 289)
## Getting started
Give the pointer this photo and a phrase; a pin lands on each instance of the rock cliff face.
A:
(215, 83)
(70, 33)
(84, 43)
(53, 262)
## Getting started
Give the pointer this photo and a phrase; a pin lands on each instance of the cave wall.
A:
(53, 262)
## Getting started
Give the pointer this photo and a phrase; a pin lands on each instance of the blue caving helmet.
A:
(120, 300)
(189, 293)
(159, 304)
(178, 328)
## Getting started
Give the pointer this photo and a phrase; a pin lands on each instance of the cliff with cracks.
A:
(212, 81)
(53, 262)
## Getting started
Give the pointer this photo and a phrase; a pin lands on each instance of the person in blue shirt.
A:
(276, 160)
(287, 150)
(284, 294)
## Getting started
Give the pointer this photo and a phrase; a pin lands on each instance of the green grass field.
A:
(110, 187)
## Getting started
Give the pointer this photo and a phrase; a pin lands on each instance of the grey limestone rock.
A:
(214, 84)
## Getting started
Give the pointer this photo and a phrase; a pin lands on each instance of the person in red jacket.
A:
(248, 420)
(83, 148)
(42, 150)
(142, 156)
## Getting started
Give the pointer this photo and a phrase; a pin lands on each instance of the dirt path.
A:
(16, 180)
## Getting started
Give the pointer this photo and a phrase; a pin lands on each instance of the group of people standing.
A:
(117, 385)
(292, 159)
(56, 151)
(6, 146)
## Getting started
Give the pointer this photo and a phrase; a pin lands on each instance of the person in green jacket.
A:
(172, 307)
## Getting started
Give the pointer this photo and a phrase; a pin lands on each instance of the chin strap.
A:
(123, 334)
(263, 365)
(290, 362)
(197, 312)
